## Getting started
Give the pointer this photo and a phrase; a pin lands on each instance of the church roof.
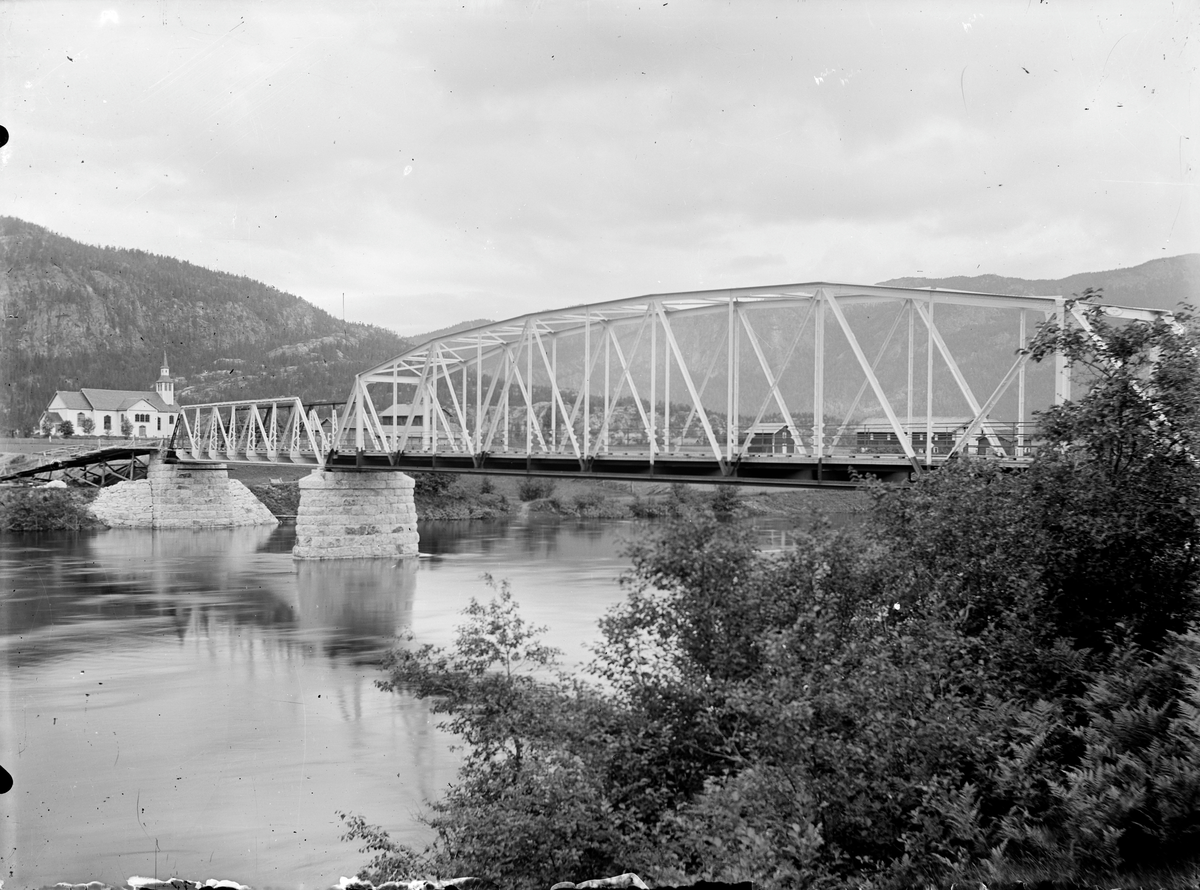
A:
(123, 399)
(73, 401)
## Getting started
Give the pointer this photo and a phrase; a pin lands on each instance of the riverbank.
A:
(448, 496)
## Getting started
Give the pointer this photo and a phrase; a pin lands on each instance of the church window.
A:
(108, 423)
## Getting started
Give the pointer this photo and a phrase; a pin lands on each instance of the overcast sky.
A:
(439, 162)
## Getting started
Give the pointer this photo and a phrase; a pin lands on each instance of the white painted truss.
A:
(274, 430)
(725, 375)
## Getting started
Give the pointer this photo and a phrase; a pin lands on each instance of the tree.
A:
(66, 428)
(1119, 482)
(87, 425)
(126, 426)
(525, 767)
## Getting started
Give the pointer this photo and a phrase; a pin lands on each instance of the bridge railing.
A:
(1014, 441)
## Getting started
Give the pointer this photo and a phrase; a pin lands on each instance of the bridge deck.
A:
(792, 471)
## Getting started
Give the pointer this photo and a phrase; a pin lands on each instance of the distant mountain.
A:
(1158, 284)
(452, 329)
(76, 315)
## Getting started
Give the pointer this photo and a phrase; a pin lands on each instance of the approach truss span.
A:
(799, 384)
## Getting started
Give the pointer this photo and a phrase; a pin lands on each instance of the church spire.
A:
(165, 387)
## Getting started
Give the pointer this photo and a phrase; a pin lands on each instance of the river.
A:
(198, 704)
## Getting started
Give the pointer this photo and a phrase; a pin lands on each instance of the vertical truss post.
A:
(529, 383)
(729, 383)
(929, 386)
(479, 393)
(909, 305)
(360, 420)
(666, 395)
(652, 427)
(737, 372)
(395, 402)
(606, 442)
(819, 376)
(555, 398)
(507, 392)
(1019, 437)
(587, 380)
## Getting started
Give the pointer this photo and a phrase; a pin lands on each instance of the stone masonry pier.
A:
(346, 514)
(181, 495)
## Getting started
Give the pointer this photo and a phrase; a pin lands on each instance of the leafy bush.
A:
(31, 509)
(434, 485)
(534, 488)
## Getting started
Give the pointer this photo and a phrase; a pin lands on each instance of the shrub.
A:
(435, 485)
(31, 509)
(533, 488)
(588, 500)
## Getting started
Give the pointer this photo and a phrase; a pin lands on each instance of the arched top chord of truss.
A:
(460, 347)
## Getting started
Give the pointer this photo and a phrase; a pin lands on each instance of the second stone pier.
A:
(347, 514)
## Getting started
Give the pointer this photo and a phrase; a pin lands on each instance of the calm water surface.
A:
(199, 704)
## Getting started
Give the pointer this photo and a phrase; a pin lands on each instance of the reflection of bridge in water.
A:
(798, 385)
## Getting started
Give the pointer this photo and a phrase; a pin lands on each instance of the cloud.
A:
(525, 156)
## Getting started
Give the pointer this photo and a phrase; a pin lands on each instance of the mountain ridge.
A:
(1161, 283)
(80, 315)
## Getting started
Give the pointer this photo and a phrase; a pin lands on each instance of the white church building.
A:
(147, 415)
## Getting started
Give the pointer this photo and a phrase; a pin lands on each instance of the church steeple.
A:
(165, 387)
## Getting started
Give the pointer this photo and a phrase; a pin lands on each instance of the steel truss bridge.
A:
(796, 385)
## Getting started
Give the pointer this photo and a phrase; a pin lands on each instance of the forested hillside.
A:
(76, 315)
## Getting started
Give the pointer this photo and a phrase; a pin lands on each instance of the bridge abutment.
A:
(348, 514)
(181, 496)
